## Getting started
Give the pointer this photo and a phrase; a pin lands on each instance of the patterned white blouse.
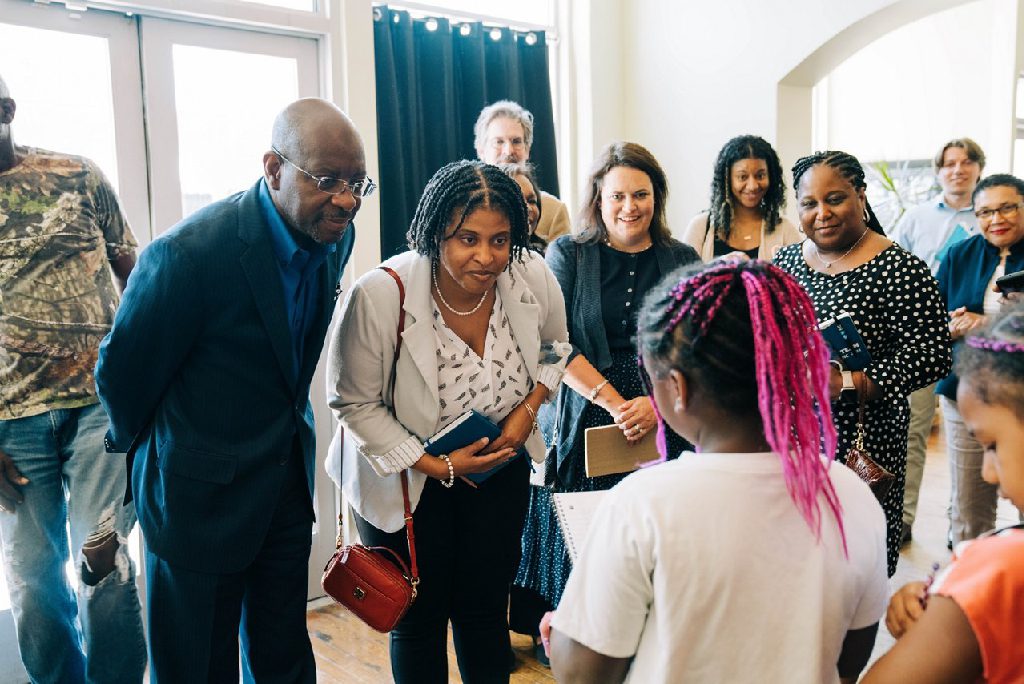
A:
(494, 384)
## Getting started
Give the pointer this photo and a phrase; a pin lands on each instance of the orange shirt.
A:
(987, 582)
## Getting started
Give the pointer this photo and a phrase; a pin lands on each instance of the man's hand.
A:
(10, 481)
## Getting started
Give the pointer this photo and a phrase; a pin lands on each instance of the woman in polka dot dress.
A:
(848, 265)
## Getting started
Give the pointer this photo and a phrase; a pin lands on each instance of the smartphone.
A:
(1011, 282)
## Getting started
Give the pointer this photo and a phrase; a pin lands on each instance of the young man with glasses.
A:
(206, 378)
(503, 134)
(929, 230)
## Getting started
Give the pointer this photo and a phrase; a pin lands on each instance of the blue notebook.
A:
(466, 429)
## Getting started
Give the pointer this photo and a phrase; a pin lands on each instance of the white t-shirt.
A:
(704, 569)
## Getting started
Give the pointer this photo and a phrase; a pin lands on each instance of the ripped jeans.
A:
(99, 637)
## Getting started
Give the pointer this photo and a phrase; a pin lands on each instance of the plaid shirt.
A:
(60, 226)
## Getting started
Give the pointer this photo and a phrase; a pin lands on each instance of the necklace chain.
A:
(830, 264)
(433, 274)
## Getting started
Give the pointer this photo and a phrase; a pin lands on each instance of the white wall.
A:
(948, 75)
(694, 73)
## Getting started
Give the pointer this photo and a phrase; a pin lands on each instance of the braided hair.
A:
(744, 332)
(456, 191)
(991, 363)
(774, 200)
(847, 166)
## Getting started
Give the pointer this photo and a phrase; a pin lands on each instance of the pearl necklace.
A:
(433, 274)
(830, 264)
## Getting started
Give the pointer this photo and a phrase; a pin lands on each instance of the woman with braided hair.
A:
(847, 265)
(748, 195)
(756, 558)
(485, 331)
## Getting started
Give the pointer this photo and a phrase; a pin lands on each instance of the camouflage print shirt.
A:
(60, 226)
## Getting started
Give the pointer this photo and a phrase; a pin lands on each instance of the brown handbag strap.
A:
(861, 401)
(410, 537)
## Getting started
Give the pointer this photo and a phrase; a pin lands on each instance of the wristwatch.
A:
(849, 391)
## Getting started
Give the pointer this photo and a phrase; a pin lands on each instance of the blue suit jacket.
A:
(198, 378)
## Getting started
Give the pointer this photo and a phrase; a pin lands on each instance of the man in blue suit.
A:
(205, 376)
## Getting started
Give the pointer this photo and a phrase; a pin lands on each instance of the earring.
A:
(867, 216)
(679, 405)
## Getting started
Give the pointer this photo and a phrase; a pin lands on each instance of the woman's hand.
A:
(905, 608)
(962, 321)
(471, 459)
(515, 429)
(636, 418)
(835, 382)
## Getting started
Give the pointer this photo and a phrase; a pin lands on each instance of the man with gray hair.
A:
(503, 135)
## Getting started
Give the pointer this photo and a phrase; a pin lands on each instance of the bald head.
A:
(307, 123)
(314, 139)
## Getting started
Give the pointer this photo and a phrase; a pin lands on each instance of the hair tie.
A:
(989, 344)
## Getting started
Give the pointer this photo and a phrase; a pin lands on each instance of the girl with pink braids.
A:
(755, 558)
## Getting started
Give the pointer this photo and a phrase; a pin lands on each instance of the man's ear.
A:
(7, 107)
(272, 170)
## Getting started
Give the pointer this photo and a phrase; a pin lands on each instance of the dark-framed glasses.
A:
(335, 186)
(1007, 211)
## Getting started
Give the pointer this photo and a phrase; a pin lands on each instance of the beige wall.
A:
(689, 74)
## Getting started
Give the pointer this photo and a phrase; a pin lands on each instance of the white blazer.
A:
(361, 354)
(702, 239)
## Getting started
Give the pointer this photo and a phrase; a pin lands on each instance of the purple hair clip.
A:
(989, 344)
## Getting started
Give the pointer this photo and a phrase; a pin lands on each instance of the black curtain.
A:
(433, 79)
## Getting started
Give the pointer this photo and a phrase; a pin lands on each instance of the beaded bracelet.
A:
(450, 482)
(533, 414)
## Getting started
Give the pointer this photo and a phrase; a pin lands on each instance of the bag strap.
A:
(410, 537)
(861, 401)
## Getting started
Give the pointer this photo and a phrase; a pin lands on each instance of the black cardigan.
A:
(577, 267)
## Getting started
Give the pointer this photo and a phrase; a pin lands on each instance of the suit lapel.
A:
(418, 340)
(262, 273)
(325, 309)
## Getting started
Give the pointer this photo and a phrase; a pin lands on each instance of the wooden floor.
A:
(347, 651)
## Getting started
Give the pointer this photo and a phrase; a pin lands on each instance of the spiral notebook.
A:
(575, 511)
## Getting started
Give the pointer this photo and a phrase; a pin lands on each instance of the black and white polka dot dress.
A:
(896, 306)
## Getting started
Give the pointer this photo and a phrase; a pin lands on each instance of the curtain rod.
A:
(428, 10)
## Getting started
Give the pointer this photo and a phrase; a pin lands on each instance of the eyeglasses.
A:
(1007, 211)
(335, 186)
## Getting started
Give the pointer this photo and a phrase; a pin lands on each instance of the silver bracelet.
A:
(597, 390)
(450, 482)
(533, 414)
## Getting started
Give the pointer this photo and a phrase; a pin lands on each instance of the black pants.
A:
(468, 548)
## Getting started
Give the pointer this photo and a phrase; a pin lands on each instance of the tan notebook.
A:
(608, 452)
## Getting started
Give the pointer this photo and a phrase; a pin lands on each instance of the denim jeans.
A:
(72, 479)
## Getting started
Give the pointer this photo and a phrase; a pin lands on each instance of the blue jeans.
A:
(71, 479)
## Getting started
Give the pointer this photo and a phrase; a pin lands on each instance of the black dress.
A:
(625, 280)
(896, 307)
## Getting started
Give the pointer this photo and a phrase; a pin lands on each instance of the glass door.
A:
(76, 81)
(209, 120)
